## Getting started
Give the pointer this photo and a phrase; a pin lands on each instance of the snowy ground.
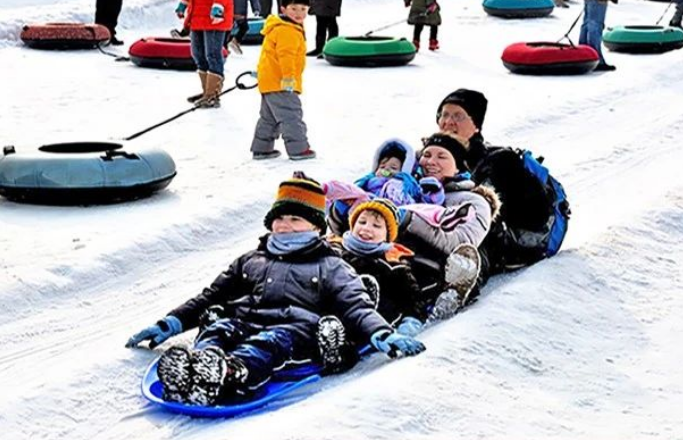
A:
(581, 346)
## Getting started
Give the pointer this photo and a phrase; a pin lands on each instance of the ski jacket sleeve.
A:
(350, 300)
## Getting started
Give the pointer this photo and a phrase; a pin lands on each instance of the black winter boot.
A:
(336, 353)
(212, 372)
(173, 370)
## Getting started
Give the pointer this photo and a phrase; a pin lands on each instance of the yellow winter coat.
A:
(283, 54)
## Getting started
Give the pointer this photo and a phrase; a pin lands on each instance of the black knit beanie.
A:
(473, 102)
(457, 150)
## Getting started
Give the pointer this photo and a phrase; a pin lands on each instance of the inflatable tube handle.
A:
(9, 149)
(111, 154)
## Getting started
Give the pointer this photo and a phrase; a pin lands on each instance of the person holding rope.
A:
(424, 13)
(594, 12)
(208, 21)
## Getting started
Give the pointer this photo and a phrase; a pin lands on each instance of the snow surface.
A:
(585, 345)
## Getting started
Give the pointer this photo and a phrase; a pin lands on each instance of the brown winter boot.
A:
(198, 96)
(214, 86)
(433, 44)
(416, 43)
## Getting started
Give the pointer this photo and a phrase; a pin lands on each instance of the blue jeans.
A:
(207, 50)
(594, 13)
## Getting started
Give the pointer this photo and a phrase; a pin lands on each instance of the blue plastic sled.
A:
(283, 382)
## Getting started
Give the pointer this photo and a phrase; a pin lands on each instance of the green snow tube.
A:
(643, 39)
(369, 51)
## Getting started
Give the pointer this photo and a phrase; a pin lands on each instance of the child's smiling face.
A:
(370, 227)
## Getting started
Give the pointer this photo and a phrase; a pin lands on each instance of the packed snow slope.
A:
(585, 345)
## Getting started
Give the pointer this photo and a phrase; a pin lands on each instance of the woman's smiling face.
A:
(438, 162)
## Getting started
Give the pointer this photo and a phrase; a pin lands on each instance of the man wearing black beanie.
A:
(524, 203)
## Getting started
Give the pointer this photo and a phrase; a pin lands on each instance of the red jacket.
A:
(198, 15)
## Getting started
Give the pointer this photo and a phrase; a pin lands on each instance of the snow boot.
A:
(416, 43)
(336, 353)
(372, 286)
(461, 274)
(211, 97)
(235, 46)
(212, 370)
(202, 80)
(433, 44)
(304, 155)
(462, 270)
(174, 373)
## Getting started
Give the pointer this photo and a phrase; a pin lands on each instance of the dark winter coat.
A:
(289, 292)
(325, 8)
(525, 205)
(418, 13)
(432, 245)
(399, 293)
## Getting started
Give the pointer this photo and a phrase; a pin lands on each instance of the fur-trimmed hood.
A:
(491, 196)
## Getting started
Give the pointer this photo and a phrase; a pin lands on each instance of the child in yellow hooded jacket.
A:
(280, 70)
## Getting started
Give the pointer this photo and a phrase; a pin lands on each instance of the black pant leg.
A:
(333, 28)
(107, 14)
(417, 32)
(433, 32)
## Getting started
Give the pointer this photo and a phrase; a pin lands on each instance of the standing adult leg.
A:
(107, 14)
(593, 25)
(678, 14)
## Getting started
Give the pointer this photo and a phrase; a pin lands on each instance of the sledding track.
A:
(573, 347)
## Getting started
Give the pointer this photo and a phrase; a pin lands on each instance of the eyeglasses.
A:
(455, 117)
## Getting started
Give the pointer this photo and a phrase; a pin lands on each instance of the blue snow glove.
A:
(392, 343)
(158, 333)
(217, 13)
(288, 84)
(180, 9)
(409, 326)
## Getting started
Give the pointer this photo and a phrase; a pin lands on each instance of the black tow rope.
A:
(665, 11)
(571, 28)
(116, 56)
(238, 85)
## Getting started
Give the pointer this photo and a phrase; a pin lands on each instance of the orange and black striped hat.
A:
(302, 197)
(385, 208)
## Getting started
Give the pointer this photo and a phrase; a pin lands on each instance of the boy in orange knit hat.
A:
(273, 298)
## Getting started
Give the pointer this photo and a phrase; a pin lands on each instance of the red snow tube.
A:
(64, 35)
(164, 53)
(544, 58)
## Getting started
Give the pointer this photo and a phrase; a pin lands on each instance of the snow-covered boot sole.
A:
(462, 270)
(173, 370)
(447, 305)
(209, 368)
(331, 340)
(372, 287)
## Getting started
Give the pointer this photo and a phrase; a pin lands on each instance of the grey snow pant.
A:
(281, 113)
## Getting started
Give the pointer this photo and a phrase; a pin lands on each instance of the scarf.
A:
(289, 242)
(363, 248)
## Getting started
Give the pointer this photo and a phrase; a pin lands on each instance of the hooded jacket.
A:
(283, 54)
